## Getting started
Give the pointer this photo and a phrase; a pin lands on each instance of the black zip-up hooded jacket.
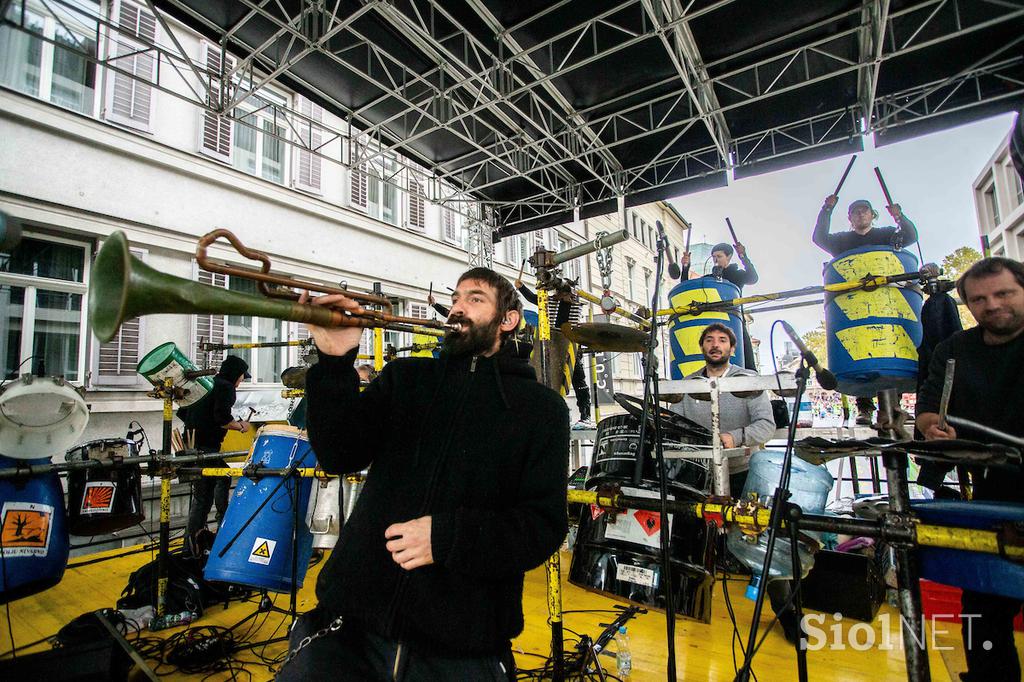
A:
(474, 442)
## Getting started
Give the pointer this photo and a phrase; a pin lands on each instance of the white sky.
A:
(930, 177)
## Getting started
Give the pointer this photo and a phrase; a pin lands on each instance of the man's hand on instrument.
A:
(518, 283)
(339, 340)
(831, 200)
(741, 251)
(933, 432)
(431, 300)
(244, 426)
(409, 543)
(685, 260)
(895, 211)
(728, 441)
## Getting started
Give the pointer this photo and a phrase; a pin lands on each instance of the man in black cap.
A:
(721, 255)
(863, 231)
(209, 420)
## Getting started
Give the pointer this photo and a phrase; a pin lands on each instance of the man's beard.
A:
(473, 339)
(720, 362)
(1004, 326)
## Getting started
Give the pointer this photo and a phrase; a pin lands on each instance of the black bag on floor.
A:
(184, 586)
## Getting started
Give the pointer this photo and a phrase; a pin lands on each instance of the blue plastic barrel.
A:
(809, 485)
(261, 554)
(685, 330)
(33, 533)
(873, 336)
(975, 571)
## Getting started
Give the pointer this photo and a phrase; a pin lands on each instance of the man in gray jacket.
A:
(744, 422)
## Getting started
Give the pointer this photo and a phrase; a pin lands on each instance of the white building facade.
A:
(999, 203)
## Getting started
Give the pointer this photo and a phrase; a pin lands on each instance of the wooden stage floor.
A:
(703, 652)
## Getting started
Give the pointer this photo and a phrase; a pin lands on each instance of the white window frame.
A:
(387, 166)
(630, 266)
(48, 50)
(262, 115)
(283, 352)
(33, 284)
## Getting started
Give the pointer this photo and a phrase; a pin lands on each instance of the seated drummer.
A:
(721, 255)
(744, 422)
(986, 390)
(426, 581)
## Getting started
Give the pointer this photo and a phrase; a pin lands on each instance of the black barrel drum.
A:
(104, 499)
(621, 558)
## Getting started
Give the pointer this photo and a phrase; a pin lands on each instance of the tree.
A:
(815, 342)
(956, 264)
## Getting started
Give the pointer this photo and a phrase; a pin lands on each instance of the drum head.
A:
(40, 417)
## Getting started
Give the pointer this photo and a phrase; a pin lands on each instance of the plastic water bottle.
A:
(623, 658)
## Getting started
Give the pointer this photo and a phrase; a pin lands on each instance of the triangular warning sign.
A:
(649, 521)
(595, 511)
(262, 551)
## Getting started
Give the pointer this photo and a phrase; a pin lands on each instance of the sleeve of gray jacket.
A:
(762, 423)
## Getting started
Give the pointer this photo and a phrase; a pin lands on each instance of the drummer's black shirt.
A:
(986, 389)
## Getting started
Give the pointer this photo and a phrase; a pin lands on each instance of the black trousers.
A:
(206, 492)
(581, 389)
(988, 640)
(352, 653)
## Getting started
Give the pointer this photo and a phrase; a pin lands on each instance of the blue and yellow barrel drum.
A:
(872, 336)
(685, 331)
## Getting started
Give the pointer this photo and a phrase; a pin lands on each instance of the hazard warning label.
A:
(638, 526)
(98, 497)
(25, 528)
(262, 551)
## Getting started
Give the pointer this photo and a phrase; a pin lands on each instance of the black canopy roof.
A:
(537, 107)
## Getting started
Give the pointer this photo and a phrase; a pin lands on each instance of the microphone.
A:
(826, 379)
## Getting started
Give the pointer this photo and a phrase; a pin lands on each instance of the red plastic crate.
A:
(942, 602)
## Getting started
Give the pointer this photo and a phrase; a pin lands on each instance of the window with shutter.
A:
(451, 232)
(307, 164)
(130, 99)
(417, 205)
(357, 179)
(116, 360)
(418, 310)
(209, 328)
(215, 131)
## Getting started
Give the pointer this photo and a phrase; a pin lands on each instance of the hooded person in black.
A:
(206, 423)
(466, 493)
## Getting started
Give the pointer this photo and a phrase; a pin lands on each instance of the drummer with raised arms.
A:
(862, 232)
(724, 268)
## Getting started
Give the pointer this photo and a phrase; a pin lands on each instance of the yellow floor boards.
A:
(703, 651)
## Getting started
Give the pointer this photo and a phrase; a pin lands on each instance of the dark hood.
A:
(232, 368)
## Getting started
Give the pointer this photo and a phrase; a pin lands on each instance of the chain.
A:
(334, 626)
(604, 262)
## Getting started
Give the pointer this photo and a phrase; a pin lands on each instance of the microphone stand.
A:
(652, 400)
(780, 506)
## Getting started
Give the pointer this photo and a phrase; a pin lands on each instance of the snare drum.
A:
(254, 542)
(107, 499)
(40, 417)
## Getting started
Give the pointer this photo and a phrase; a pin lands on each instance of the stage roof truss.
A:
(546, 111)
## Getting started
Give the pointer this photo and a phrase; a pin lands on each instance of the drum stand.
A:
(780, 506)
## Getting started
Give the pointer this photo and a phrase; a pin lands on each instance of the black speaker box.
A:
(845, 583)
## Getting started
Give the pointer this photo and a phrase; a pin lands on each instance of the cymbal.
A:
(605, 336)
(295, 377)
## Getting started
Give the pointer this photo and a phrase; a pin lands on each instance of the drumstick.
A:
(732, 232)
(522, 266)
(885, 190)
(845, 173)
(947, 389)
(430, 292)
(689, 233)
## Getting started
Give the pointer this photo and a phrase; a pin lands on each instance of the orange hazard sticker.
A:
(649, 521)
(25, 528)
(98, 497)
